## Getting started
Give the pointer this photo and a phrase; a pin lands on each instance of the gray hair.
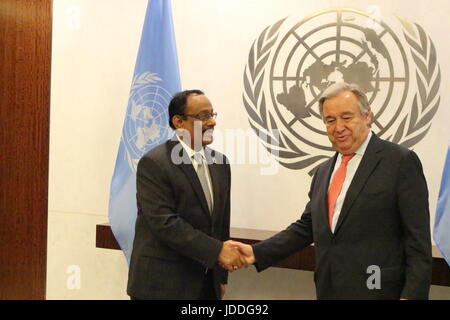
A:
(335, 89)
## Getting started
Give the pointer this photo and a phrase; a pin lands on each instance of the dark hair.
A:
(178, 103)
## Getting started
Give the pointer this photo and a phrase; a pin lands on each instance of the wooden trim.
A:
(301, 260)
(105, 237)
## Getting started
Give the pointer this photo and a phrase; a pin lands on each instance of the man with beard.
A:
(180, 249)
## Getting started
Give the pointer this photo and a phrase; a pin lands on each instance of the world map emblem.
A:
(147, 121)
(290, 65)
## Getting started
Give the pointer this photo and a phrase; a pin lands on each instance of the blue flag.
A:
(156, 79)
(442, 220)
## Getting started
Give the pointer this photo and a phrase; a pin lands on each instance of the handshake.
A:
(235, 255)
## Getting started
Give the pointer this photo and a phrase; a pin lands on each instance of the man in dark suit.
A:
(367, 216)
(183, 197)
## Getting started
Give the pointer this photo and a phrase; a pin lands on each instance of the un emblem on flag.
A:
(147, 120)
(289, 67)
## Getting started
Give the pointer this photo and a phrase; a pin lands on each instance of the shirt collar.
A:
(189, 150)
(362, 148)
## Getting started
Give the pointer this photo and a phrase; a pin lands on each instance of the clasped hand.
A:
(236, 255)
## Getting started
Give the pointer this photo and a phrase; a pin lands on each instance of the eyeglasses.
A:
(203, 116)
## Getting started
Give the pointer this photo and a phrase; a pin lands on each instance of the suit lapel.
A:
(188, 169)
(214, 172)
(324, 189)
(215, 179)
(367, 165)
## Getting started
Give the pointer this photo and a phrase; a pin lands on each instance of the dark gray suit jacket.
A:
(384, 222)
(176, 237)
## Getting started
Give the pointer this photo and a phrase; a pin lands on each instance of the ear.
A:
(369, 117)
(177, 121)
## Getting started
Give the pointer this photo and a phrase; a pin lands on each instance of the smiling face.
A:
(200, 132)
(347, 128)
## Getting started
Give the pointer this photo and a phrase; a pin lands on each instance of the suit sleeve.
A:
(297, 236)
(414, 210)
(156, 200)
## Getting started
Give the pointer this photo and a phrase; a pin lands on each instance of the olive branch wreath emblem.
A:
(143, 79)
(412, 129)
(139, 81)
(428, 77)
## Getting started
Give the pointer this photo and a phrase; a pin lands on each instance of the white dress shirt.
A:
(352, 166)
(191, 154)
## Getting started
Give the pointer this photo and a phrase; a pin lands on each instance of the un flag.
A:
(442, 221)
(156, 78)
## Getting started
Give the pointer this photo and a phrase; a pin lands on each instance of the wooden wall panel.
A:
(25, 55)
